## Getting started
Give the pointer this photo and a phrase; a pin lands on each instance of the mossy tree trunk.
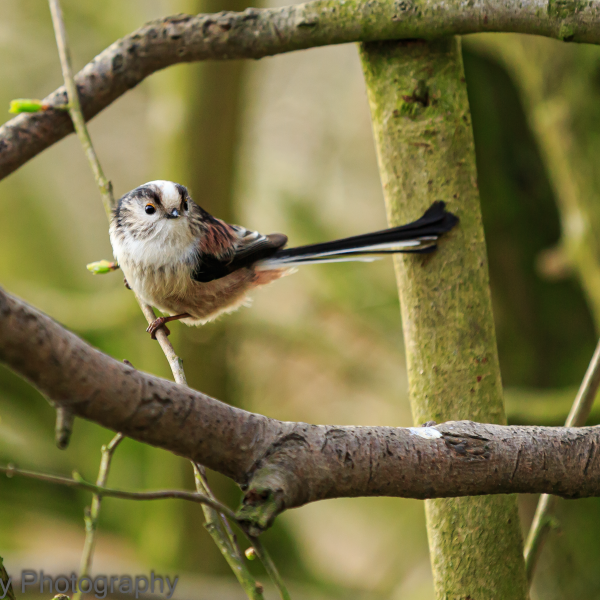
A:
(422, 129)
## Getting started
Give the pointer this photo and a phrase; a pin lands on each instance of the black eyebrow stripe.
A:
(182, 190)
(150, 194)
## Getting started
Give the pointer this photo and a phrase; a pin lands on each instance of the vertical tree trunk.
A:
(423, 135)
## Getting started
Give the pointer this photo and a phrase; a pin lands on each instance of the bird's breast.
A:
(159, 285)
(156, 272)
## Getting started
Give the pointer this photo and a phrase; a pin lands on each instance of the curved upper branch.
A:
(281, 465)
(256, 33)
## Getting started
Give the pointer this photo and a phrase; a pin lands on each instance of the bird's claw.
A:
(156, 325)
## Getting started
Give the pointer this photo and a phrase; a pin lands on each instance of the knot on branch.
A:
(274, 479)
(260, 506)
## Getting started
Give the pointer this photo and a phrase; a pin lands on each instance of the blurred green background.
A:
(285, 144)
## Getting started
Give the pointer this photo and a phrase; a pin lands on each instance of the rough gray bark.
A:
(282, 465)
(256, 33)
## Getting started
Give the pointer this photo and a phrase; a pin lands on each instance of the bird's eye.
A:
(150, 210)
(185, 205)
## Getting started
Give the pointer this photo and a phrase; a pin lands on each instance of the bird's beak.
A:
(173, 214)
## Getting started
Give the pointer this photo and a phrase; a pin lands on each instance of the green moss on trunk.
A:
(424, 140)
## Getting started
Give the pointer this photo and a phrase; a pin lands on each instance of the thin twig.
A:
(92, 517)
(580, 411)
(224, 539)
(104, 185)
(261, 552)
(270, 567)
(64, 420)
(582, 406)
(175, 362)
(62, 43)
(203, 487)
(228, 548)
(252, 588)
(79, 483)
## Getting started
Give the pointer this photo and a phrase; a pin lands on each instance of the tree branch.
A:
(258, 33)
(282, 465)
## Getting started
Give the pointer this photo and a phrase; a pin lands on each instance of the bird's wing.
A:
(253, 246)
(245, 247)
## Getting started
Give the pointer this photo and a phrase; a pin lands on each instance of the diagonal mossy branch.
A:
(256, 33)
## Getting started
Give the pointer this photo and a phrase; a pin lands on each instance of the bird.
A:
(195, 267)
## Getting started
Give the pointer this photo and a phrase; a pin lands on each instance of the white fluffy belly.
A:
(164, 286)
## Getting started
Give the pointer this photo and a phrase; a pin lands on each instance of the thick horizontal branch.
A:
(281, 464)
(256, 33)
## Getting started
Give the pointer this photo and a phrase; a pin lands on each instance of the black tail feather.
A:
(424, 232)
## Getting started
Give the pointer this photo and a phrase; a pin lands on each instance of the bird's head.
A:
(160, 210)
(159, 224)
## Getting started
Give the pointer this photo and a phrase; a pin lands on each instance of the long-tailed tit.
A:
(195, 267)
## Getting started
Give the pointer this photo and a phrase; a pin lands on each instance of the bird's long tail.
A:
(417, 237)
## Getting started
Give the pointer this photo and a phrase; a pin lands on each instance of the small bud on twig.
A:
(101, 267)
(27, 105)
(30, 105)
(250, 553)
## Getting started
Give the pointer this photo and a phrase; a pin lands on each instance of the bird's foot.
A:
(156, 325)
(125, 283)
